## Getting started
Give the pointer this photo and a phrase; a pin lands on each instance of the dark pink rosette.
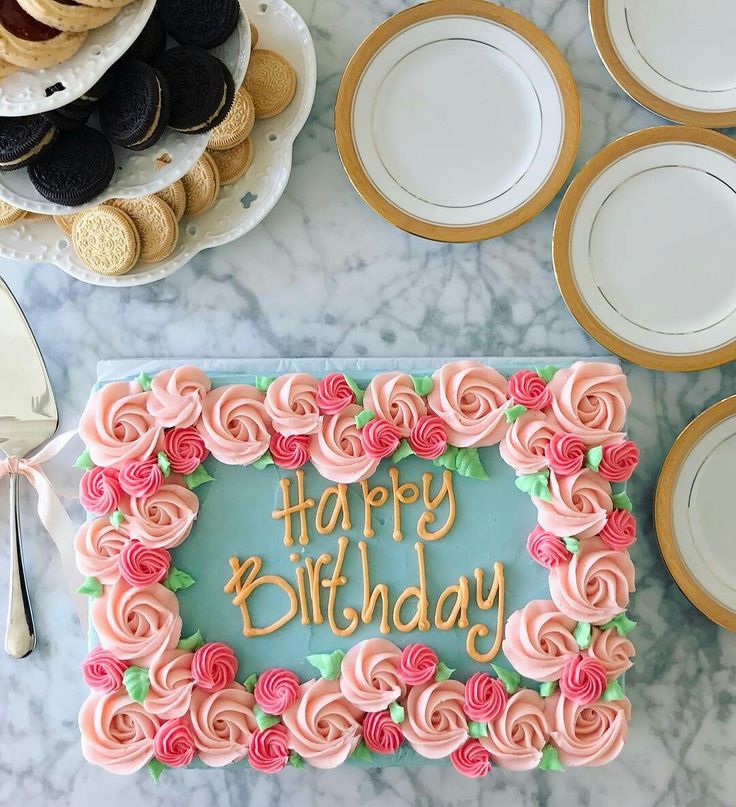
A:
(334, 394)
(418, 664)
(142, 565)
(290, 452)
(619, 461)
(428, 438)
(214, 667)
(141, 477)
(528, 389)
(268, 751)
(620, 530)
(583, 679)
(103, 672)
(185, 449)
(276, 689)
(471, 759)
(485, 697)
(381, 734)
(174, 743)
(546, 549)
(100, 491)
(565, 454)
(379, 438)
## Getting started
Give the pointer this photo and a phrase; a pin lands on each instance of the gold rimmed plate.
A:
(695, 512)
(675, 57)
(644, 244)
(457, 120)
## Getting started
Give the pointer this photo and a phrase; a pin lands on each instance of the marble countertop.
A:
(324, 276)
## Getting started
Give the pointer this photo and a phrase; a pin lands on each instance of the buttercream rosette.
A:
(97, 545)
(579, 505)
(369, 677)
(612, 650)
(592, 734)
(381, 734)
(471, 398)
(103, 672)
(436, 724)
(177, 395)
(337, 451)
(323, 726)
(525, 443)
(291, 403)
(117, 426)
(117, 733)
(164, 519)
(517, 736)
(392, 397)
(170, 684)
(223, 723)
(235, 426)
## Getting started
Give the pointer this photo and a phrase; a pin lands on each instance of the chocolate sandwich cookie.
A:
(151, 42)
(68, 118)
(23, 140)
(204, 23)
(135, 112)
(97, 91)
(75, 168)
(201, 88)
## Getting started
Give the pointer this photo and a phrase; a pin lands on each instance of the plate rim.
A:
(689, 437)
(639, 92)
(562, 264)
(549, 52)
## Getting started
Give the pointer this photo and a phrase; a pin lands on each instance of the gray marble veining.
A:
(324, 276)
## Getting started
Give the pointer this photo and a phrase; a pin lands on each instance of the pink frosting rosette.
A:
(234, 425)
(529, 389)
(223, 724)
(471, 760)
(619, 531)
(141, 477)
(269, 749)
(594, 586)
(103, 672)
(337, 451)
(334, 394)
(517, 736)
(137, 623)
(579, 506)
(170, 684)
(435, 723)
(276, 689)
(428, 438)
(583, 679)
(418, 664)
(369, 678)
(116, 425)
(392, 397)
(323, 726)
(174, 743)
(100, 491)
(177, 395)
(470, 397)
(291, 403)
(142, 565)
(485, 697)
(593, 734)
(539, 640)
(96, 548)
(214, 666)
(164, 519)
(619, 461)
(590, 399)
(565, 454)
(185, 449)
(525, 445)
(381, 734)
(612, 650)
(380, 438)
(546, 549)
(117, 733)
(289, 452)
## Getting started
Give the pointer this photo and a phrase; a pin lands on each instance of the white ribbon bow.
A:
(51, 511)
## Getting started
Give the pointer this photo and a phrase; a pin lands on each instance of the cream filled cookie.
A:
(26, 42)
(66, 15)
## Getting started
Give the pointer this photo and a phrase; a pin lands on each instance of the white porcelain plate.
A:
(139, 173)
(644, 248)
(240, 206)
(457, 120)
(25, 92)
(696, 511)
(675, 57)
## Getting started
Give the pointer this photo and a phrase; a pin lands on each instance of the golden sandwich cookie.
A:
(237, 125)
(271, 82)
(175, 197)
(233, 163)
(156, 224)
(202, 184)
(106, 240)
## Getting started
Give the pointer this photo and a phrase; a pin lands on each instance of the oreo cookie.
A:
(151, 42)
(204, 23)
(136, 111)
(23, 140)
(201, 88)
(67, 119)
(97, 91)
(75, 169)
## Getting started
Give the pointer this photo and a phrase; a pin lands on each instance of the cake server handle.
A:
(20, 636)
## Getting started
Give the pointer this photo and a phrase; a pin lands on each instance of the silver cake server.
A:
(28, 418)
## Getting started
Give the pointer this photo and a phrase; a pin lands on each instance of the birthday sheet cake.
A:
(376, 568)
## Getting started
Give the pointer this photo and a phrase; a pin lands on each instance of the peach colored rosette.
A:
(97, 545)
(392, 397)
(164, 519)
(368, 677)
(223, 724)
(235, 426)
(435, 723)
(525, 444)
(612, 650)
(291, 403)
(323, 727)
(177, 395)
(471, 398)
(579, 505)
(336, 449)
(170, 684)
(516, 738)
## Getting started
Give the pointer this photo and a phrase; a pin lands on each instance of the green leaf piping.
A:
(264, 720)
(145, 381)
(91, 587)
(622, 623)
(117, 518)
(583, 634)
(396, 710)
(136, 683)
(263, 461)
(191, 643)
(328, 664)
(613, 692)
(509, 678)
(357, 391)
(571, 544)
(468, 464)
(295, 760)
(448, 459)
(84, 461)
(550, 760)
(423, 384)
(163, 463)
(364, 417)
(156, 768)
(476, 730)
(536, 485)
(404, 450)
(514, 412)
(547, 372)
(547, 688)
(593, 457)
(621, 501)
(250, 682)
(443, 672)
(176, 580)
(198, 477)
(362, 753)
(263, 382)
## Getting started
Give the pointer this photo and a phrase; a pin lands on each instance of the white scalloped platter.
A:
(240, 206)
(24, 92)
(139, 173)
